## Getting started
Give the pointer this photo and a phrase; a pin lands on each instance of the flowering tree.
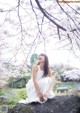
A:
(27, 23)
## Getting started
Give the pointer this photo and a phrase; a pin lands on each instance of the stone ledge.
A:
(59, 104)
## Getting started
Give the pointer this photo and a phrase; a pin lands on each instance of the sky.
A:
(56, 55)
(60, 56)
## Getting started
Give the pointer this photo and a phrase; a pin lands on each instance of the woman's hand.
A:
(41, 97)
(45, 95)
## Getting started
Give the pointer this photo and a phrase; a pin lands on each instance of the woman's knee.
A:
(48, 80)
(45, 81)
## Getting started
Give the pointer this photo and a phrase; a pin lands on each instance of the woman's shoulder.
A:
(35, 67)
(49, 72)
(50, 69)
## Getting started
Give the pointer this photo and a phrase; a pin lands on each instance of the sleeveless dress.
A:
(44, 84)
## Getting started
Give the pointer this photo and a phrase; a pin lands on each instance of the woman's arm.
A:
(34, 72)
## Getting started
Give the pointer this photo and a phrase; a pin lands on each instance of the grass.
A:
(64, 84)
(70, 85)
(15, 95)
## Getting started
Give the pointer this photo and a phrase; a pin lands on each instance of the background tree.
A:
(32, 22)
(33, 59)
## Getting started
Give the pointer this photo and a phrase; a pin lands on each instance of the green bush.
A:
(2, 91)
(19, 82)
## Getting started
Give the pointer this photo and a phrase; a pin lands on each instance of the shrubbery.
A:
(19, 82)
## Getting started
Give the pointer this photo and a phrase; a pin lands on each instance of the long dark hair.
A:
(46, 64)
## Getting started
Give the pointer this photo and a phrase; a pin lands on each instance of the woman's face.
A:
(41, 58)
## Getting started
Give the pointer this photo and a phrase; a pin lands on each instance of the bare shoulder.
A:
(35, 67)
(50, 72)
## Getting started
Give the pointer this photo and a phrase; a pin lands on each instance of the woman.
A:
(39, 87)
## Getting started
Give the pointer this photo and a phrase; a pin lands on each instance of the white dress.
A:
(43, 82)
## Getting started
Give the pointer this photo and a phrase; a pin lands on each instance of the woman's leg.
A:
(44, 84)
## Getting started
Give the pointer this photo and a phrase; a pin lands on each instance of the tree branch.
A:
(48, 17)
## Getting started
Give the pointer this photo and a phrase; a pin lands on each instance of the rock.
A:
(78, 110)
(59, 104)
(3, 109)
(3, 99)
